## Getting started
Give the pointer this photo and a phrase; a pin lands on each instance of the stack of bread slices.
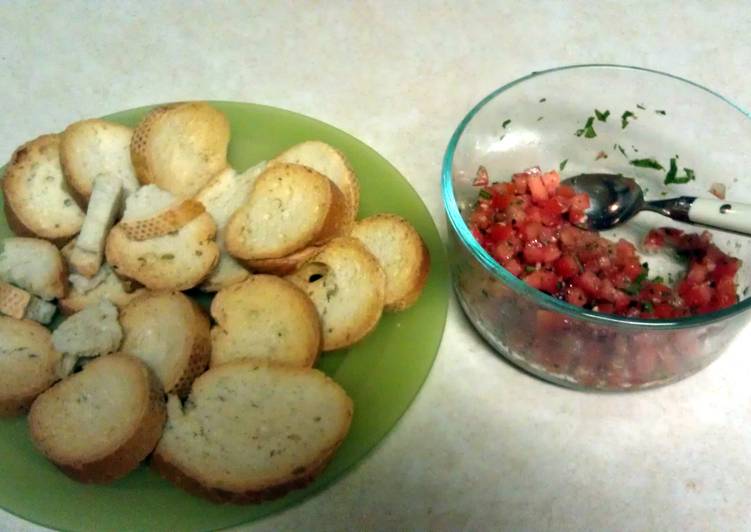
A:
(113, 225)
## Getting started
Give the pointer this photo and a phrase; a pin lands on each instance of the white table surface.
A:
(484, 446)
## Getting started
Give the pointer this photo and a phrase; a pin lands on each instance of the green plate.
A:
(382, 373)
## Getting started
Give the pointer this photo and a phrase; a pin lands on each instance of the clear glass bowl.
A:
(536, 121)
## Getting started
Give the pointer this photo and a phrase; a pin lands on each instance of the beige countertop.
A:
(484, 446)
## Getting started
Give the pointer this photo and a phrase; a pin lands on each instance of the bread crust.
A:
(127, 456)
(284, 265)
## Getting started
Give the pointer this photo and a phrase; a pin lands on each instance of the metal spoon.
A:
(615, 199)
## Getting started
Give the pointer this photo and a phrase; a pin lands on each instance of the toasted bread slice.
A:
(330, 162)
(90, 333)
(27, 364)
(96, 148)
(289, 208)
(38, 201)
(176, 261)
(180, 146)
(402, 254)
(34, 265)
(265, 318)
(347, 286)
(170, 333)
(18, 303)
(283, 265)
(104, 205)
(222, 196)
(279, 428)
(97, 425)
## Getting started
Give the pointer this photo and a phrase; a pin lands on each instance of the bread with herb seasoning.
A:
(38, 201)
(222, 196)
(171, 334)
(27, 364)
(347, 285)
(178, 260)
(290, 207)
(34, 265)
(99, 424)
(265, 318)
(92, 332)
(250, 433)
(96, 148)
(180, 146)
(104, 206)
(402, 254)
(330, 162)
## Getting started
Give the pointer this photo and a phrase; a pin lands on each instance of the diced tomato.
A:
(632, 269)
(580, 202)
(664, 310)
(577, 216)
(565, 191)
(534, 213)
(537, 189)
(503, 251)
(542, 280)
(589, 282)
(501, 201)
(499, 232)
(697, 273)
(520, 182)
(695, 295)
(534, 252)
(514, 267)
(551, 180)
(530, 231)
(566, 266)
(576, 296)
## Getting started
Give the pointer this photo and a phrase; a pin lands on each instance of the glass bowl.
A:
(544, 120)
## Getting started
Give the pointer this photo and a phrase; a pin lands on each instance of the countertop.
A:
(484, 446)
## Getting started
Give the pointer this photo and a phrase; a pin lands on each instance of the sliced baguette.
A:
(330, 162)
(18, 303)
(250, 433)
(402, 254)
(170, 333)
(27, 364)
(90, 333)
(289, 208)
(347, 286)
(34, 265)
(222, 196)
(99, 424)
(178, 260)
(96, 148)
(283, 265)
(104, 205)
(180, 146)
(265, 318)
(38, 201)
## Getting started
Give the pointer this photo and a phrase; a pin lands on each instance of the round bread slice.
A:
(283, 265)
(347, 286)
(100, 423)
(265, 318)
(402, 254)
(289, 208)
(180, 258)
(27, 364)
(93, 148)
(170, 333)
(330, 162)
(38, 201)
(34, 265)
(180, 146)
(250, 433)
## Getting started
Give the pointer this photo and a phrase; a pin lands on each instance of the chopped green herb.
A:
(167, 256)
(68, 202)
(648, 306)
(502, 137)
(543, 100)
(601, 155)
(529, 268)
(562, 165)
(640, 106)
(602, 116)
(625, 117)
(646, 163)
(658, 279)
(539, 118)
(506, 123)
(634, 148)
(660, 112)
(560, 285)
(588, 131)
(620, 149)
(579, 263)
(484, 194)
(485, 293)
(673, 177)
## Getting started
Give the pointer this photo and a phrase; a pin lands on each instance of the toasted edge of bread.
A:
(284, 265)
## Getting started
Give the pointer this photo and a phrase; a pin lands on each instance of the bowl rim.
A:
(541, 298)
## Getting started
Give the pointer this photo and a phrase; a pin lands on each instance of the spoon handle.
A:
(721, 214)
